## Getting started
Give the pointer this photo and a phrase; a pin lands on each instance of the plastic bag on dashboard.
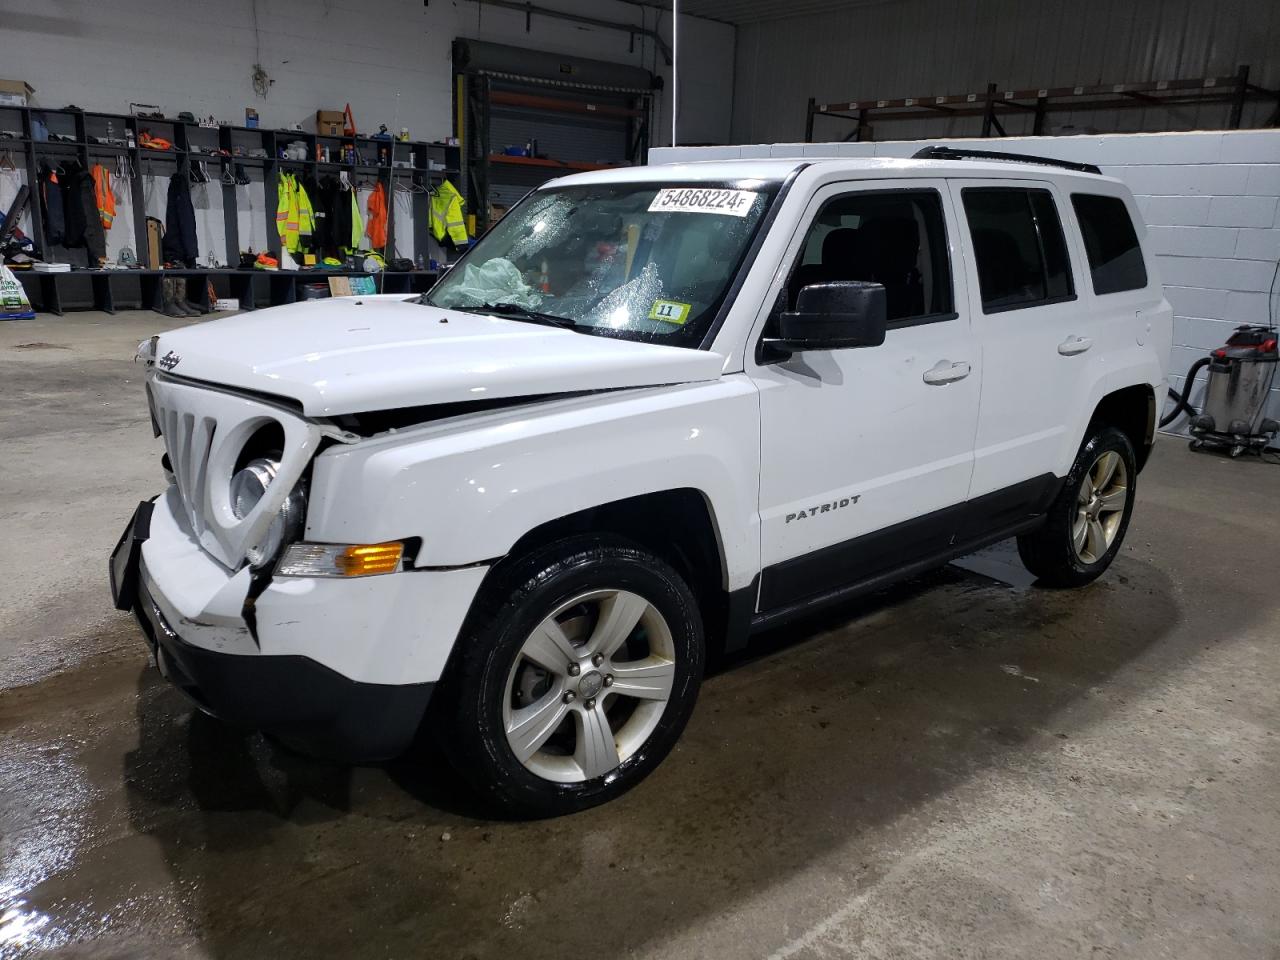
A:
(494, 281)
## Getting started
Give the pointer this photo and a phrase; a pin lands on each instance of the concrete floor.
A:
(959, 767)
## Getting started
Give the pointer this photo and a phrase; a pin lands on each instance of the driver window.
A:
(896, 238)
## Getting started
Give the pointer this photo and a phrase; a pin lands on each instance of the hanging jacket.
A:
(55, 220)
(286, 213)
(180, 223)
(80, 208)
(102, 197)
(377, 227)
(446, 215)
(321, 194)
(306, 213)
(342, 219)
(72, 210)
(295, 218)
(357, 223)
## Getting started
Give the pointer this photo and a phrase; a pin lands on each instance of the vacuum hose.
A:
(1180, 400)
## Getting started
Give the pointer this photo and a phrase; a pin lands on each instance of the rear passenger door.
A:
(1125, 299)
(1036, 338)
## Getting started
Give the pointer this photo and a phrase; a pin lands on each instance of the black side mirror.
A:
(834, 316)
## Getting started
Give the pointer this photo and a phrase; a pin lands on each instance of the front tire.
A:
(574, 677)
(1087, 522)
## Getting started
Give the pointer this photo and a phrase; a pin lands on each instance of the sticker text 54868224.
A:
(730, 203)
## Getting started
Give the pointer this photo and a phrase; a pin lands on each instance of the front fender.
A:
(471, 486)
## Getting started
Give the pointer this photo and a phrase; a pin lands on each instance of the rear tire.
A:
(574, 676)
(1087, 522)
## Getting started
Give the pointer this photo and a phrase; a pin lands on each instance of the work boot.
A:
(188, 308)
(169, 306)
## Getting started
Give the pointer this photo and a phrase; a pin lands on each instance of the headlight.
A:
(247, 488)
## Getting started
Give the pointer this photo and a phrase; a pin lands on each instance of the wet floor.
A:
(962, 766)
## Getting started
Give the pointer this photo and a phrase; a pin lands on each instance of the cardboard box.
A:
(329, 123)
(15, 93)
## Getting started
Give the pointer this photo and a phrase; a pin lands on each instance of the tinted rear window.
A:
(1020, 250)
(1115, 258)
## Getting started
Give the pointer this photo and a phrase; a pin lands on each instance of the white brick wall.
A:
(1217, 260)
(1211, 201)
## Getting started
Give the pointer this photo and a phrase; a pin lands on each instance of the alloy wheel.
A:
(1100, 504)
(589, 686)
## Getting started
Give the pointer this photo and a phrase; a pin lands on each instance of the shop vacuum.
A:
(1241, 374)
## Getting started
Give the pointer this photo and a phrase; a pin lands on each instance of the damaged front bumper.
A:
(337, 668)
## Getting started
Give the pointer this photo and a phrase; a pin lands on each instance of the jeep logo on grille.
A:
(170, 360)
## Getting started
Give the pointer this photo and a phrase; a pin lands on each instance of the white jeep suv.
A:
(651, 411)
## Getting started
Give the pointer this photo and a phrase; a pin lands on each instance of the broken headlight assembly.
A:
(248, 487)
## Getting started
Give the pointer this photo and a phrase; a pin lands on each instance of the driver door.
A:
(867, 453)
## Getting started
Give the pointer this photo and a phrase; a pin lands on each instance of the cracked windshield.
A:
(645, 261)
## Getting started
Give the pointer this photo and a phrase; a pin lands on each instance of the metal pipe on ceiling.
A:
(528, 9)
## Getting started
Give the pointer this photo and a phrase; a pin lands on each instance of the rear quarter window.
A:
(1111, 243)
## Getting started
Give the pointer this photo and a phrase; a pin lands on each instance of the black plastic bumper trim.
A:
(296, 699)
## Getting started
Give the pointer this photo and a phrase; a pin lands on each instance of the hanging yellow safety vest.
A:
(287, 213)
(446, 214)
(357, 223)
(295, 217)
(306, 213)
(282, 209)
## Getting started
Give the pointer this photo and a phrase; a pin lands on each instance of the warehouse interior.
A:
(965, 761)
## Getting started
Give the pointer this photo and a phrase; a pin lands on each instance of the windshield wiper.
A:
(517, 312)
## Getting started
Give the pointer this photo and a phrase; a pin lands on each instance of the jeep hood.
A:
(357, 355)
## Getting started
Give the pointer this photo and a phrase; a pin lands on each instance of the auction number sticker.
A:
(671, 311)
(729, 203)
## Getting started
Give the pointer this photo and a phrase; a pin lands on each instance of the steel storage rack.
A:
(525, 117)
(39, 135)
(995, 105)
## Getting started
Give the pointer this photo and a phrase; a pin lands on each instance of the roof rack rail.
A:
(950, 153)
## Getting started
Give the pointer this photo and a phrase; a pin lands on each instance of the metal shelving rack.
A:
(422, 163)
(578, 114)
(993, 104)
(503, 102)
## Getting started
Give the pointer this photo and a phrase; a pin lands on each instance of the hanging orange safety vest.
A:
(102, 195)
(377, 229)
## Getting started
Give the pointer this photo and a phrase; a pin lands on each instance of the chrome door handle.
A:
(1073, 345)
(944, 371)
